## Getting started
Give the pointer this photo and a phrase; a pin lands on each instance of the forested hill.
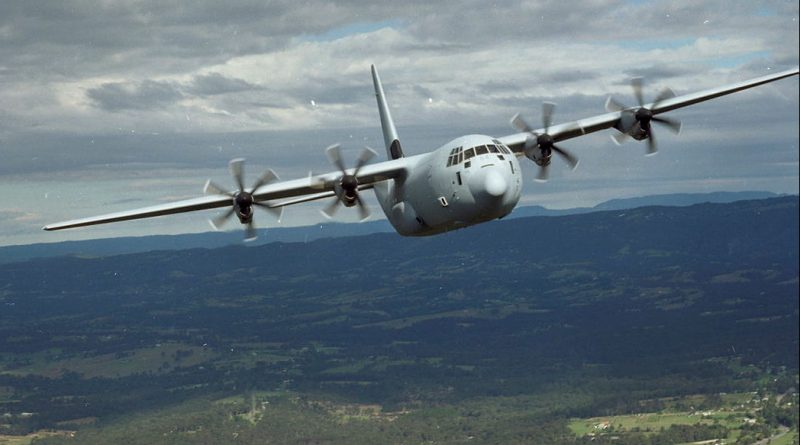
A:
(748, 229)
(550, 317)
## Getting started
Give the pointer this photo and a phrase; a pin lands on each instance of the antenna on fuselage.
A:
(390, 138)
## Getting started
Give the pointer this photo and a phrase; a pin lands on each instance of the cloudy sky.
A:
(112, 105)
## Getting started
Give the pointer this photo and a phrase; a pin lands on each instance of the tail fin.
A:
(390, 137)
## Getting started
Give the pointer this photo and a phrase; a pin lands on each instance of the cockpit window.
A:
(459, 155)
(468, 153)
(455, 157)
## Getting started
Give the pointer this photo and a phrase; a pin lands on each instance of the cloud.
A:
(17, 216)
(663, 71)
(93, 92)
(215, 83)
(144, 95)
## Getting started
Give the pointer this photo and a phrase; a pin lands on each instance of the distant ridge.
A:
(672, 200)
(115, 246)
(682, 199)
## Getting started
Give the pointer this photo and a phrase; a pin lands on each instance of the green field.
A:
(160, 358)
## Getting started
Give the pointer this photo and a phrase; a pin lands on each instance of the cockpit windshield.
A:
(459, 154)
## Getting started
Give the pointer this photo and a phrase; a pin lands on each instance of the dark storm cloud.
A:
(151, 94)
(143, 95)
(215, 83)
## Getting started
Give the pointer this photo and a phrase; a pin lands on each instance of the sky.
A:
(113, 105)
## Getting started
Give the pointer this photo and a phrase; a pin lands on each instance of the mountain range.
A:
(113, 246)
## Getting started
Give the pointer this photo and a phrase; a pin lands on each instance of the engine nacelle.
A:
(628, 124)
(540, 157)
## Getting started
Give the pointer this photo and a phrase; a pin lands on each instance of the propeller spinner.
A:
(346, 187)
(243, 200)
(539, 148)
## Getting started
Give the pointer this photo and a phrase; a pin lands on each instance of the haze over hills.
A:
(112, 246)
(502, 332)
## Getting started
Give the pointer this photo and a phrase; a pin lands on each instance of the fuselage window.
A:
(493, 148)
(481, 150)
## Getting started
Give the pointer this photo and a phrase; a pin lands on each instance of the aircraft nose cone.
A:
(494, 184)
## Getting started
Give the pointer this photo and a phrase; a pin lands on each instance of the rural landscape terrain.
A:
(653, 325)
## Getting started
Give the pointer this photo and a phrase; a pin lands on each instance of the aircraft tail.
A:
(390, 138)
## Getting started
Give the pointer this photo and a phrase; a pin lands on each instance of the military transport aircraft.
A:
(469, 180)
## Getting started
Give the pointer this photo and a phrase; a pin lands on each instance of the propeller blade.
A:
(265, 178)
(548, 108)
(651, 141)
(335, 155)
(567, 156)
(636, 83)
(250, 233)
(213, 189)
(277, 212)
(363, 210)
(236, 167)
(613, 105)
(331, 208)
(665, 94)
(673, 125)
(220, 221)
(363, 158)
(544, 173)
(519, 123)
(619, 138)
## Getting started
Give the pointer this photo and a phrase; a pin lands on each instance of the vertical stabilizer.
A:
(390, 138)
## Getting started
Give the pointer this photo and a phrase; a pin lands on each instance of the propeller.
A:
(644, 116)
(243, 200)
(544, 142)
(347, 186)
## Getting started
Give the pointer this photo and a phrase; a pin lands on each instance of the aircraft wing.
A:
(581, 127)
(291, 192)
